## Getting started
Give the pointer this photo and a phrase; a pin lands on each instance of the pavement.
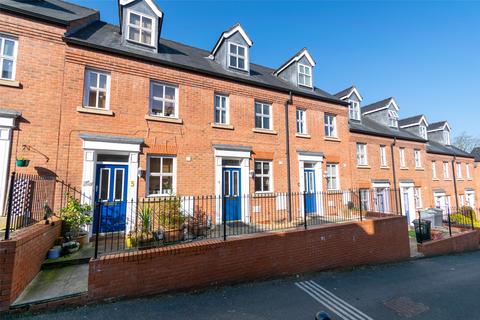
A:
(438, 288)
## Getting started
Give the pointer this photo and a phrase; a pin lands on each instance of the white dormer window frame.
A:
(305, 73)
(446, 137)
(238, 57)
(354, 110)
(393, 118)
(423, 132)
(142, 30)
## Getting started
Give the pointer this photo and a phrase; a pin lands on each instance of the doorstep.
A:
(82, 256)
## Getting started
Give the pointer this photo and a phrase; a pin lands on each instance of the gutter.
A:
(392, 150)
(377, 134)
(287, 154)
(455, 180)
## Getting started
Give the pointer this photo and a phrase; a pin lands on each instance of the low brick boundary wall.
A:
(211, 262)
(21, 258)
(461, 242)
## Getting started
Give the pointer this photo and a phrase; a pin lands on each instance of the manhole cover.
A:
(406, 307)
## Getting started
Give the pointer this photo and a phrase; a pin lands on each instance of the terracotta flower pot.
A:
(173, 235)
(82, 239)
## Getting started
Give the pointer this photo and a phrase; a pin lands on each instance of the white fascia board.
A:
(422, 119)
(352, 91)
(386, 106)
(375, 110)
(442, 128)
(110, 146)
(228, 34)
(394, 103)
(309, 157)
(150, 3)
(297, 58)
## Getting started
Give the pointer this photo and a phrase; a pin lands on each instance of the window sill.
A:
(163, 119)
(10, 83)
(141, 44)
(265, 131)
(420, 169)
(447, 179)
(403, 168)
(95, 111)
(436, 179)
(222, 126)
(303, 135)
(385, 167)
(332, 139)
(363, 166)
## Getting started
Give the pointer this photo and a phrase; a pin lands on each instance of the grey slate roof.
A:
(10, 113)
(104, 36)
(410, 120)
(369, 126)
(291, 58)
(437, 148)
(109, 138)
(50, 10)
(436, 125)
(476, 153)
(376, 105)
(344, 92)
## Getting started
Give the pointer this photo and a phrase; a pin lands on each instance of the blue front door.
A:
(232, 202)
(310, 189)
(110, 197)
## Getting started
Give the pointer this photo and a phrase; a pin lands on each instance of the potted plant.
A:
(171, 219)
(143, 238)
(198, 224)
(75, 215)
(22, 162)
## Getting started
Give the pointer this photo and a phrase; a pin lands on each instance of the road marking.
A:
(338, 306)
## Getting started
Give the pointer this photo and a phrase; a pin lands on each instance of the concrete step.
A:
(82, 256)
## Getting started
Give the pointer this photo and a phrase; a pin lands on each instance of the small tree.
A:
(75, 215)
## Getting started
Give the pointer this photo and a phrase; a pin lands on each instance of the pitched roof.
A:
(296, 57)
(437, 148)
(378, 105)
(438, 126)
(228, 33)
(151, 3)
(371, 127)
(56, 11)
(476, 153)
(103, 36)
(347, 92)
(415, 120)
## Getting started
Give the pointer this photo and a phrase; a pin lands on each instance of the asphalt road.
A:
(437, 288)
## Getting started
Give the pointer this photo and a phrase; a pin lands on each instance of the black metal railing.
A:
(152, 222)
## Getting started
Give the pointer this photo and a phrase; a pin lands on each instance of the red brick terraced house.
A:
(123, 113)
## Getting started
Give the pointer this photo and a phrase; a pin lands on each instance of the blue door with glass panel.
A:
(232, 202)
(310, 189)
(110, 197)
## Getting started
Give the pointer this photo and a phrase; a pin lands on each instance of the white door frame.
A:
(7, 124)
(317, 160)
(408, 187)
(386, 194)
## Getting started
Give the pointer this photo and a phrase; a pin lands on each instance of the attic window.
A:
(423, 132)
(304, 75)
(393, 118)
(140, 28)
(354, 110)
(237, 56)
(446, 137)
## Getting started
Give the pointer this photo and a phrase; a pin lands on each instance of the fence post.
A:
(224, 218)
(449, 223)
(304, 212)
(471, 219)
(10, 205)
(97, 225)
(360, 202)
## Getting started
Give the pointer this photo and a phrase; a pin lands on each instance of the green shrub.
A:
(460, 219)
(74, 214)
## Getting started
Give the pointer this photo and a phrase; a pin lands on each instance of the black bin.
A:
(422, 230)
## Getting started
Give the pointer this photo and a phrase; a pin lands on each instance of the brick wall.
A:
(202, 264)
(21, 258)
(461, 242)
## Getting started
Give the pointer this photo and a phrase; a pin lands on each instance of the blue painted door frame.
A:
(110, 195)
(232, 201)
(310, 191)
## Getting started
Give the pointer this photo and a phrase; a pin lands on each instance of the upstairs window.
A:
(304, 75)
(221, 109)
(467, 169)
(383, 156)
(140, 28)
(446, 172)
(393, 118)
(354, 110)
(446, 137)
(330, 125)
(8, 53)
(263, 116)
(97, 89)
(301, 121)
(459, 171)
(418, 159)
(434, 170)
(423, 132)
(362, 154)
(237, 56)
(163, 100)
(403, 162)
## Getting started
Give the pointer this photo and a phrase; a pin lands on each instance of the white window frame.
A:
(161, 174)
(221, 108)
(383, 156)
(418, 158)
(434, 170)
(305, 75)
(236, 55)
(446, 137)
(13, 58)
(152, 98)
(354, 110)
(423, 132)
(333, 173)
(263, 175)
(403, 160)
(301, 123)
(87, 88)
(418, 197)
(446, 171)
(141, 28)
(362, 156)
(262, 115)
(393, 118)
(459, 171)
(467, 169)
(330, 122)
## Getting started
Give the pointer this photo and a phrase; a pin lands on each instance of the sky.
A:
(425, 54)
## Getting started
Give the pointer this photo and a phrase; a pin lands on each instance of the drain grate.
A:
(406, 307)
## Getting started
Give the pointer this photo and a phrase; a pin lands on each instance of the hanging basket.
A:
(22, 162)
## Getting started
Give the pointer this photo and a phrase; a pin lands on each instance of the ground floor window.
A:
(332, 176)
(364, 199)
(161, 175)
(418, 197)
(263, 176)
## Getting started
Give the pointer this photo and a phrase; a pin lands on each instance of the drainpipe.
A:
(287, 153)
(392, 146)
(455, 180)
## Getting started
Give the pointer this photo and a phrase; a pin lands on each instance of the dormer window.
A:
(140, 28)
(304, 75)
(354, 110)
(237, 56)
(393, 118)
(423, 132)
(446, 137)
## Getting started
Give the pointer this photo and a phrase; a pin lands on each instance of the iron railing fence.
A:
(453, 218)
(153, 222)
